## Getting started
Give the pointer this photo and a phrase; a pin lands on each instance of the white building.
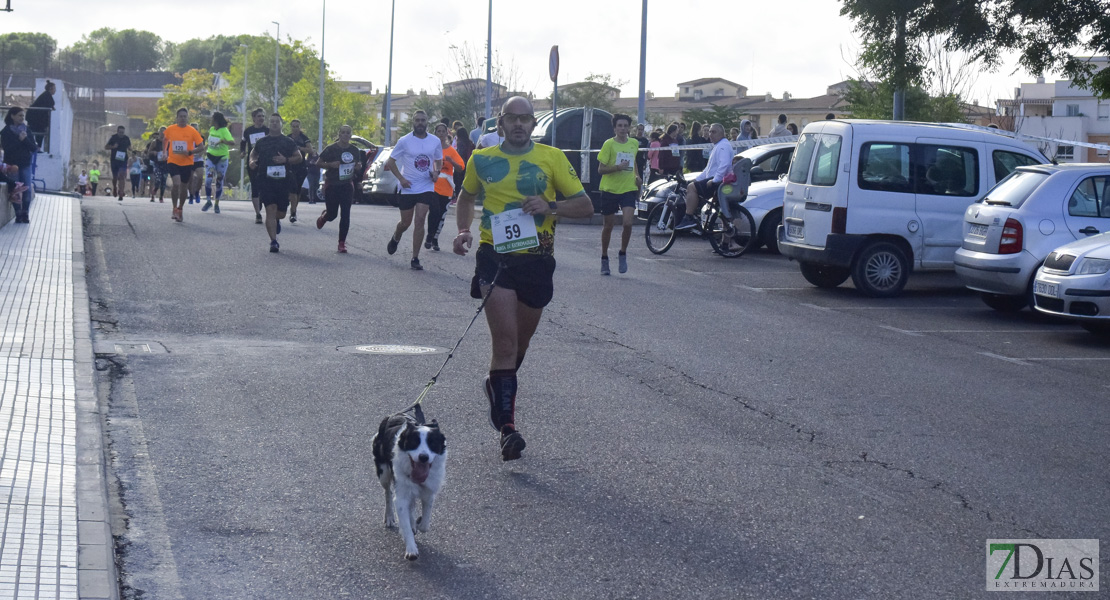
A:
(1062, 111)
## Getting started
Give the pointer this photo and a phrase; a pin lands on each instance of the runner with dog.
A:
(515, 260)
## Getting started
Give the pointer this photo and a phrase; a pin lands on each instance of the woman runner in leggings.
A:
(343, 164)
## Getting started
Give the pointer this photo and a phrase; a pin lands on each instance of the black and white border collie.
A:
(411, 458)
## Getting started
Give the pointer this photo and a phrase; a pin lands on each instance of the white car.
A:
(764, 202)
(1074, 282)
(1008, 233)
(875, 200)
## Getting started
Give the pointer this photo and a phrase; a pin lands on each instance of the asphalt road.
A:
(697, 428)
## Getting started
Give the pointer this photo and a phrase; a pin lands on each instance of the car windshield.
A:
(1015, 188)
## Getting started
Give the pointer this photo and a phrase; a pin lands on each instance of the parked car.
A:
(1074, 282)
(1008, 233)
(875, 199)
(769, 162)
(379, 185)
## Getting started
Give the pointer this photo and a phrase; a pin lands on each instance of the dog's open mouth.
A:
(420, 470)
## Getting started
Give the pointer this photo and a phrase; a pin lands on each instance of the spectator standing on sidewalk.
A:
(415, 161)
(696, 159)
(620, 187)
(118, 147)
(670, 159)
(653, 156)
(792, 129)
(19, 147)
(780, 128)
(38, 117)
(343, 163)
(641, 156)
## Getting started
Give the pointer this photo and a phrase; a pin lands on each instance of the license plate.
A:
(1051, 290)
(796, 231)
(979, 231)
(642, 206)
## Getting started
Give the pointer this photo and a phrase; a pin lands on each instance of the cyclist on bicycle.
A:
(706, 183)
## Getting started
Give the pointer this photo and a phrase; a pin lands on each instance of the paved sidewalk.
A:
(55, 541)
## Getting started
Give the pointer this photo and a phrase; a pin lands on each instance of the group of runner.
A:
(517, 180)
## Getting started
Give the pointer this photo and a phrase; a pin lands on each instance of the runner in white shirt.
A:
(491, 139)
(415, 161)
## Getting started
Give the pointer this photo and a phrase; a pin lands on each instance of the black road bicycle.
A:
(730, 237)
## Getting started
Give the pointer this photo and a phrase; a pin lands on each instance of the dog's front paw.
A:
(422, 525)
(411, 555)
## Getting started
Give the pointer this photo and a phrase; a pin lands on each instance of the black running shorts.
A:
(183, 172)
(409, 201)
(529, 275)
(612, 203)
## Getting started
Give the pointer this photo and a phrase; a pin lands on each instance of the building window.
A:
(1065, 153)
(1103, 111)
(719, 92)
(686, 90)
(697, 94)
(1073, 110)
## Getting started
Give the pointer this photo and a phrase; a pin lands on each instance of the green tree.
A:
(26, 50)
(876, 101)
(196, 92)
(594, 91)
(1047, 34)
(296, 57)
(127, 50)
(212, 54)
(341, 107)
(727, 116)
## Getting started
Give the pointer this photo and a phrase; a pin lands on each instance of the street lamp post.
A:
(389, 82)
(243, 159)
(489, 60)
(642, 112)
(323, 30)
(277, 61)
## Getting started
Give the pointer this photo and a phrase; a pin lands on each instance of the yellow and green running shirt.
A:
(501, 180)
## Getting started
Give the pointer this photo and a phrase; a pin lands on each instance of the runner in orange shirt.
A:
(182, 143)
(444, 187)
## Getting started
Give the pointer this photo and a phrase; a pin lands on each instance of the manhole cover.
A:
(393, 349)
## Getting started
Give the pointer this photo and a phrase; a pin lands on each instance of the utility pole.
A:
(323, 30)
(389, 82)
(489, 62)
(277, 61)
(641, 114)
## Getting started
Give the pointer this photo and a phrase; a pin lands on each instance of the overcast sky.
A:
(796, 46)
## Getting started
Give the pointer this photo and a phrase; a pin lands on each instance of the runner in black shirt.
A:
(272, 159)
(251, 135)
(118, 147)
(300, 171)
(343, 164)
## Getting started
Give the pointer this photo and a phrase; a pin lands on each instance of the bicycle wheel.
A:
(732, 239)
(659, 233)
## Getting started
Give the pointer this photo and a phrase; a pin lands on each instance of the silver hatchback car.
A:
(1074, 282)
(1036, 209)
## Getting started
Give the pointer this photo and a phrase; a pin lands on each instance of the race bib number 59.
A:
(513, 230)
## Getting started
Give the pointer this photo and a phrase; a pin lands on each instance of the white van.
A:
(875, 199)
